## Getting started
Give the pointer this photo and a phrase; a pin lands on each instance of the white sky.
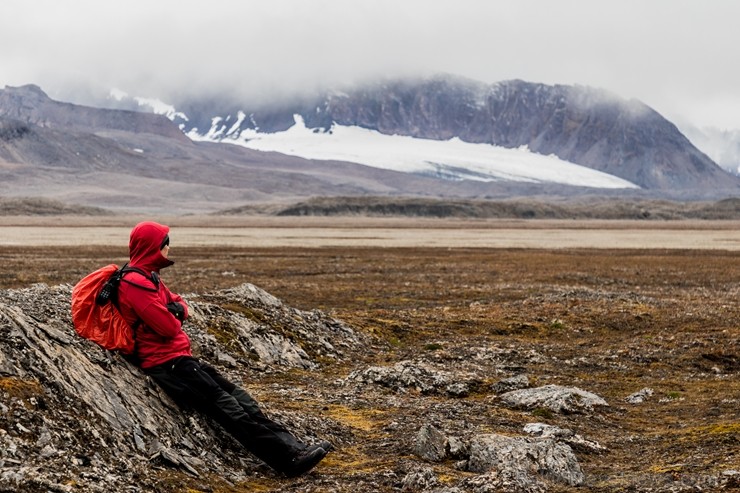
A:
(678, 56)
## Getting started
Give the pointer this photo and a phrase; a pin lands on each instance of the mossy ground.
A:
(608, 321)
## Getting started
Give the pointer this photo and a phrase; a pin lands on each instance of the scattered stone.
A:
(171, 457)
(512, 383)
(421, 480)
(431, 444)
(225, 359)
(557, 398)
(403, 376)
(730, 479)
(504, 480)
(459, 389)
(640, 396)
(458, 449)
(576, 442)
(259, 327)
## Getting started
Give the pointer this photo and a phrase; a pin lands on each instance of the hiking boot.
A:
(305, 460)
(328, 446)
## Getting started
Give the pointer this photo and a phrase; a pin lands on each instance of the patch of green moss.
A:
(543, 412)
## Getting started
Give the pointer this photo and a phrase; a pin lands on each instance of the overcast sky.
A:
(678, 56)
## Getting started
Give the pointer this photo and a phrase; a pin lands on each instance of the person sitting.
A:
(163, 352)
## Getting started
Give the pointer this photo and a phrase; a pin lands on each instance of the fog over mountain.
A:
(586, 126)
(723, 146)
(442, 137)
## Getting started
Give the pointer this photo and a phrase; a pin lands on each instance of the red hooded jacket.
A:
(159, 336)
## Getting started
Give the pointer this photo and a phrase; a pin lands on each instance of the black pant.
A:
(191, 382)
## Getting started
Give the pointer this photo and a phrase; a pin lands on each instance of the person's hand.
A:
(177, 310)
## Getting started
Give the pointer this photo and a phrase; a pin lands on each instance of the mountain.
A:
(136, 162)
(145, 162)
(30, 105)
(580, 125)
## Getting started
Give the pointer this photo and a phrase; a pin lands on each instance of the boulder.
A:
(640, 396)
(509, 384)
(554, 397)
(418, 376)
(75, 413)
(564, 435)
(524, 459)
(431, 444)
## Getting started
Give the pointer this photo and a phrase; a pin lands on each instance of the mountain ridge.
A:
(30, 104)
(582, 125)
(124, 160)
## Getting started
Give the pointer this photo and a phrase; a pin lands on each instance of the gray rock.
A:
(431, 444)
(576, 442)
(522, 457)
(640, 396)
(403, 376)
(458, 389)
(554, 397)
(458, 448)
(421, 480)
(512, 383)
(259, 327)
(225, 359)
(504, 480)
(83, 413)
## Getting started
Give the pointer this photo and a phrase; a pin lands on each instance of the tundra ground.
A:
(612, 322)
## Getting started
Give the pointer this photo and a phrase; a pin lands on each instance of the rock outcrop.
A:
(71, 410)
(503, 462)
(555, 398)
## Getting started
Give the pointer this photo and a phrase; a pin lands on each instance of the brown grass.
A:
(610, 321)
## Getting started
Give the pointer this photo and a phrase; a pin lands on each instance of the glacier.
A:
(452, 159)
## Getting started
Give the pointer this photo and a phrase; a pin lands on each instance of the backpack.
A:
(95, 312)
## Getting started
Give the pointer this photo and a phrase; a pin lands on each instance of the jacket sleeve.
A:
(156, 316)
(149, 307)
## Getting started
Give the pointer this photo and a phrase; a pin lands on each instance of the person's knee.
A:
(246, 401)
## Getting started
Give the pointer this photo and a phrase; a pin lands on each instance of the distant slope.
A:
(586, 208)
(43, 207)
(121, 168)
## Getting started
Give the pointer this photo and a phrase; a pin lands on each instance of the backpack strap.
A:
(154, 278)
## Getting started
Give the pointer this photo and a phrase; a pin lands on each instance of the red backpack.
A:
(95, 312)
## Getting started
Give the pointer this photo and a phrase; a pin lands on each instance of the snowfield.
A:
(452, 159)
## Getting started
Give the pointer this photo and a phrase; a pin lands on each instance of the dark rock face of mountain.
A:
(582, 125)
(29, 104)
(75, 155)
(126, 160)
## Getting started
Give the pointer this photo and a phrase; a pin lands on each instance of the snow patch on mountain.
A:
(452, 159)
(152, 105)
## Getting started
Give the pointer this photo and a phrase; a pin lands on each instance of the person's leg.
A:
(251, 407)
(187, 383)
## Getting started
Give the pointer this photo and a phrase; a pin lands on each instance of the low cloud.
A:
(674, 55)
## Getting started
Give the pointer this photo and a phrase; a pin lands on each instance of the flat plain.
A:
(315, 232)
(608, 307)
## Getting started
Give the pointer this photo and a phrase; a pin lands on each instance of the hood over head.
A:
(146, 241)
